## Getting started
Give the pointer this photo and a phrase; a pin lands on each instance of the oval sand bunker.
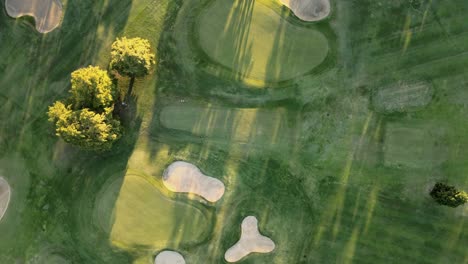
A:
(169, 257)
(4, 196)
(187, 178)
(46, 13)
(309, 10)
(250, 241)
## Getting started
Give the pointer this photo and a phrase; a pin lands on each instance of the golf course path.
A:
(187, 178)
(309, 10)
(169, 257)
(4, 196)
(250, 241)
(46, 13)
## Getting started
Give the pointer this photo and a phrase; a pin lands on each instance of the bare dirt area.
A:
(46, 13)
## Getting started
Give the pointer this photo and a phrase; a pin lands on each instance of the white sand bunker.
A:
(187, 178)
(4, 196)
(46, 13)
(250, 241)
(309, 10)
(169, 257)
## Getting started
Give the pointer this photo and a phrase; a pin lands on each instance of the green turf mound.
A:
(414, 145)
(135, 213)
(258, 127)
(257, 43)
(402, 97)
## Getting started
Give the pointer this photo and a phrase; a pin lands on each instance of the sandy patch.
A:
(169, 257)
(187, 178)
(46, 13)
(250, 241)
(309, 10)
(4, 196)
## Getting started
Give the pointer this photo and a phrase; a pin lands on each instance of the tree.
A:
(84, 128)
(86, 118)
(132, 57)
(92, 88)
(448, 195)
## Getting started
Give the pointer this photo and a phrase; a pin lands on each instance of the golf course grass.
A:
(257, 43)
(331, 133)
(126, 211)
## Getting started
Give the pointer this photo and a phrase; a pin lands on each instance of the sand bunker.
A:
(46, 13)
(4, 196)
(169, 257)
(250, 241)
(309, 10)
(187, 178)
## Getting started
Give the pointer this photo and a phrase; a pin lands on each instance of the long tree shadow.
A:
(34, 71)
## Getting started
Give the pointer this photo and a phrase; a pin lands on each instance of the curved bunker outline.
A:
(208, 64)
(5, 195)
(306, 11)
(47, 14)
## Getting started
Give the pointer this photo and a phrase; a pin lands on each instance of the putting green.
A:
(258, 44)
(135, 213)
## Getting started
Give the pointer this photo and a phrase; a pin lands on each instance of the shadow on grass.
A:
(35, 71)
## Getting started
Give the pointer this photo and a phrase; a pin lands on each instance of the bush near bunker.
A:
(448, 195)
(86, 118)
(132, 57)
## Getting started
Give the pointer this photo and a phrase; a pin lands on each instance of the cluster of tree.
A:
(86, 118)
(448, 195)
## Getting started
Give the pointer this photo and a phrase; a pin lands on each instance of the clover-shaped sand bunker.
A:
(309, 10)
(187, 178)
(4, 196)
(169, 257)
(250, 241)
(46, 13)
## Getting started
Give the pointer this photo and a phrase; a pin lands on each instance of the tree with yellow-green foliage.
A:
(132, 57)
(92, 88)
(86, 118)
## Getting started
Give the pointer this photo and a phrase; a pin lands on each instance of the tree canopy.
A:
(92, 88)
(84, 128)
(132, 57)
(448, 195)
(85, 119)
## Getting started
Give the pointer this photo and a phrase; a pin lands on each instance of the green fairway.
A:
(257, 128)
(127, 210)
(257, 43)
(330, 133)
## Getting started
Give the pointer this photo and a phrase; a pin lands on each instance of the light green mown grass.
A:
(140, 215)
(414, 145)
(257, 43)
(252, 127)
(330, 179)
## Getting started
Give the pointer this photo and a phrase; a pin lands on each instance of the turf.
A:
(133, 220)
(254, 41)
(331, 178)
